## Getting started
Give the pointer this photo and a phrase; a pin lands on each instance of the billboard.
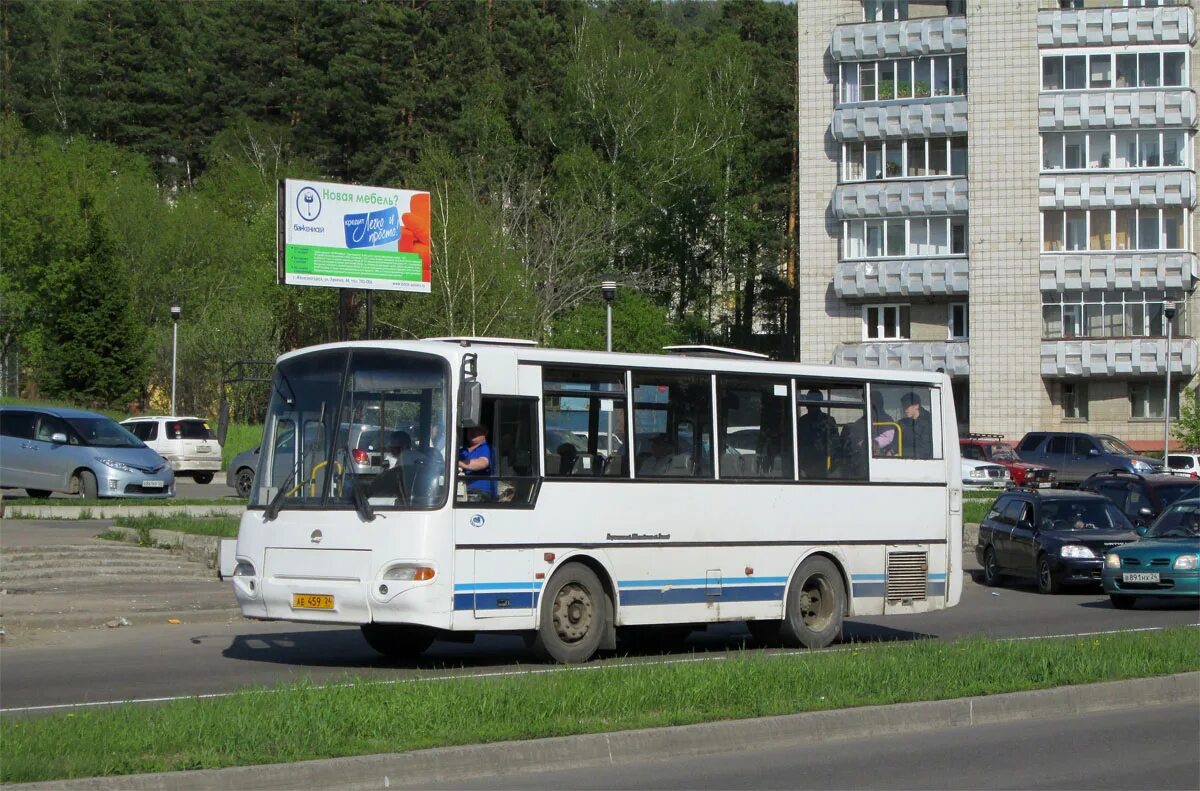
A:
(345, 236)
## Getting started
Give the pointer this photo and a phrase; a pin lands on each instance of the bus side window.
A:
(672, 425)
(585, 419)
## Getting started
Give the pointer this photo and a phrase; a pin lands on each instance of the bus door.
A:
(502, 578)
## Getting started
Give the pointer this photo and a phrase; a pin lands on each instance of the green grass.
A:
(220, 526)
(238, 437)
(359, 717)
(975, 511)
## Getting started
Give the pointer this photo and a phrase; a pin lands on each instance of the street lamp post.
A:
(609, 289)
(175, 312)
(1168, 314)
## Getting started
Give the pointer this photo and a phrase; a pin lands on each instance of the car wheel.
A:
(40, 494)
(85, 485)
(397, 641)
(574, 615)
(202, 477)
(816, 600)
(1046, 579)
(1121, 601)
(244, 481)
(991, 569)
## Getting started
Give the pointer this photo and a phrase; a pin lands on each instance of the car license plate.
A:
(1139, 576)
(311, 601)
(152, 484)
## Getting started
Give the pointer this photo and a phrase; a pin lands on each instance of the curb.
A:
(106, 511)
(201, 549)
(454, 764)
(21, 624)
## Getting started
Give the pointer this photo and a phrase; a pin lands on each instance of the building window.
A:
(1125, 150)
(958, 321)
(1101, 230)
(1109, 314)
(885, 321)
(1150, 3)
(905, 78)
(1146, 400)
(885, 10)
(899, 237)
(1106, 70)
(1074, 400)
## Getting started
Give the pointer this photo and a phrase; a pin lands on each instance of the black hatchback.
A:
(1140, 497)
(1053, 537)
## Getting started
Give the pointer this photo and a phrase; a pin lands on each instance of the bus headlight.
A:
(1076, 551)
(1185, 563)
(1112, 560)
(409, 572)
(244, 569)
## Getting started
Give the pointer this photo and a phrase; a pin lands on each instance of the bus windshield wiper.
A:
(273, 508)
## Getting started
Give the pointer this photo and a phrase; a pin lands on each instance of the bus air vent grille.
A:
(906, 573)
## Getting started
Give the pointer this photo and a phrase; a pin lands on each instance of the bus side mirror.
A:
(470, 404)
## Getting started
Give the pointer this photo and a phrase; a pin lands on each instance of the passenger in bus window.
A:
(475, 461)
(816, 437)
(916, 427)
(886, 436)
(660, 461)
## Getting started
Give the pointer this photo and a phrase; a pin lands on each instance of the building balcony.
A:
(1118, 271)
(1105, 27)
(901, 277)
(953, 357)
(943, 116)
(1147, 108)
(939, 35)
(855, 200)
(1099, 190)
(1117, 357)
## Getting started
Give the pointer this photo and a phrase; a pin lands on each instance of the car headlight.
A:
(1112, 560)
(1141, 466)
(116, 465)
(1185, 563)
(977, 474)
(1076, 551)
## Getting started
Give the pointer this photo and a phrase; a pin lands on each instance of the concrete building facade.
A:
(1004, 190)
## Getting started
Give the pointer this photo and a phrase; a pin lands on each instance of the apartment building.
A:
(1004, 190)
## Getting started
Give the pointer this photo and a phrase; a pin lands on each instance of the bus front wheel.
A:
(815, 603)
(397, 641)
(574, 615)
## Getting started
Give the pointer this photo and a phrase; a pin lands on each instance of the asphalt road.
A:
(1140, 748)
(166, 661)
(185, 488)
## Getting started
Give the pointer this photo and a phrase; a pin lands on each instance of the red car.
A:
(991, 448)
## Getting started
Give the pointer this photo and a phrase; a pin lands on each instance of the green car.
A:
(1162, 564)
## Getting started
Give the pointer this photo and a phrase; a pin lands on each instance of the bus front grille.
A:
(906, 574)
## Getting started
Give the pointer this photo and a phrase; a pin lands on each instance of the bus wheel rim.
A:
(816, 603)
(573, 613)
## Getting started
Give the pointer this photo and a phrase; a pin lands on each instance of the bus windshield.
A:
(366, 424)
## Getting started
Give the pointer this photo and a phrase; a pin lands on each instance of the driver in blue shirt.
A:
(475, 460)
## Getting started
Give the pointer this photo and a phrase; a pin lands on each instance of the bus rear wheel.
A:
(574, 615)
(815, 602)
(397, 641)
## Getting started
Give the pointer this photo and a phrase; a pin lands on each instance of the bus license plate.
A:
(152, 484)
(311, 601)
(1139, 576)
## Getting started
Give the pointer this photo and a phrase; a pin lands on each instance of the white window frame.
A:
(1049, 215)
(1058, 140)
(941, 66)
(1082, 304)
(907, 148)
(1145, 399)
(849, 241)
(873, 315)
(1110, 53)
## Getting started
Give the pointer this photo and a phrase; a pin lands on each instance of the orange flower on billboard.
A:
(415, 235)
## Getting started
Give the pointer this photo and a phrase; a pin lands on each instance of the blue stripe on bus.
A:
(492, 601)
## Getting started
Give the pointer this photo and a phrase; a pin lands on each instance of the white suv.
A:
(1186, 465)
(186, 442)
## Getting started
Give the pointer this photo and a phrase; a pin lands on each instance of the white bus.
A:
(626, 492)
